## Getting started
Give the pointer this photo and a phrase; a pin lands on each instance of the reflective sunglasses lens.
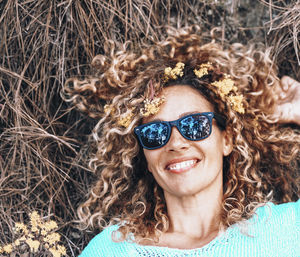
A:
(195, 127)
(154, 135)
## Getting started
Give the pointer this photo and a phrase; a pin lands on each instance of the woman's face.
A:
(183, 167)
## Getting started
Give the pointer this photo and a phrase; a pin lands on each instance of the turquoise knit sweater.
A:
(274, 231)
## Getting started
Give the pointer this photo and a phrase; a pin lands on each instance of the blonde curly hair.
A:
(265, 156)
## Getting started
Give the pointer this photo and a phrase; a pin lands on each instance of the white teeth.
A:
(181, 165)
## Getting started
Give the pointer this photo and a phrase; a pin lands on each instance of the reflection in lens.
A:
(195, 127)
(154, 135)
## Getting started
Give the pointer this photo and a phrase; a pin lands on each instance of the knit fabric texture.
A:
(273, 231)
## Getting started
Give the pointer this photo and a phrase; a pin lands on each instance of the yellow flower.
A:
(8, 248)
(30, 235)
(19, 227)
(173, 73)
(168, 71)
(203, 70)
(237, 103)
(37, 236)
(151, 107)
(33, 244)
(61, 250)
(109, 109)
(52, 238)
(48, 226)
(1, 249)
(35, 221)
(17, 242)
(225, 86)
(126, 118)
(23, 238)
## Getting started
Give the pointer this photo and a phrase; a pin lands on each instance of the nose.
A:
(177, 142)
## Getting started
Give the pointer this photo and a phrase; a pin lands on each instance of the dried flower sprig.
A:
(109, 109)
(236, 102)
(228, 93)
(174, 73)
(126, 118)
(226, 88)
(203, 69)
(38, 236)
(151, 107)
(6, 249)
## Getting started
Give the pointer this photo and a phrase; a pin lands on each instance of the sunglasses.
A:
(193, 127)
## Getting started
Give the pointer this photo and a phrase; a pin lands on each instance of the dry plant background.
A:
(44, 141)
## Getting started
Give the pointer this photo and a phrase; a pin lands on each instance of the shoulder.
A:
(277, 221)
(287, 213)
(103, 245)
(274, 230)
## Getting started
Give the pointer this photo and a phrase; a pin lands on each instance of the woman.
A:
(191, 158)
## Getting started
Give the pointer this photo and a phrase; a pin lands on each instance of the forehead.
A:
(180, 100)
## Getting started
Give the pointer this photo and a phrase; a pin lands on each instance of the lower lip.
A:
(182, 170)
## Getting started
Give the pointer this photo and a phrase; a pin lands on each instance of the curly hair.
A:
(263, 163)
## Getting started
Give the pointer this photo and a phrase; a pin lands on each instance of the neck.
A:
(197, 216)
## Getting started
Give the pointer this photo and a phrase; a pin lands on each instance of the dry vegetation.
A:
(44, 141)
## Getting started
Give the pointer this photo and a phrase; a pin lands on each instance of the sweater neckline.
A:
(222, 238)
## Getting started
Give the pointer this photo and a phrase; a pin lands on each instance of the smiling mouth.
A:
(182, 166)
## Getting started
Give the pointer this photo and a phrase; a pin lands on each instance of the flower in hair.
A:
(109, 109)
(236, 102)
(203, 69)
(175, 72)
(225, 86)
(227, 91)
(151, 107)
(126, 118)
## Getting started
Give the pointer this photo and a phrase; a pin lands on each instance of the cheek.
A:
(152, 158)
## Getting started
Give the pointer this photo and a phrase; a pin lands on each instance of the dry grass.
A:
(44, 142)
(283, 35)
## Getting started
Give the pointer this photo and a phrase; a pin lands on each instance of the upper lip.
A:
(178, 160)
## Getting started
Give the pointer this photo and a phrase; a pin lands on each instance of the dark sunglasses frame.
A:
(175, 123)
